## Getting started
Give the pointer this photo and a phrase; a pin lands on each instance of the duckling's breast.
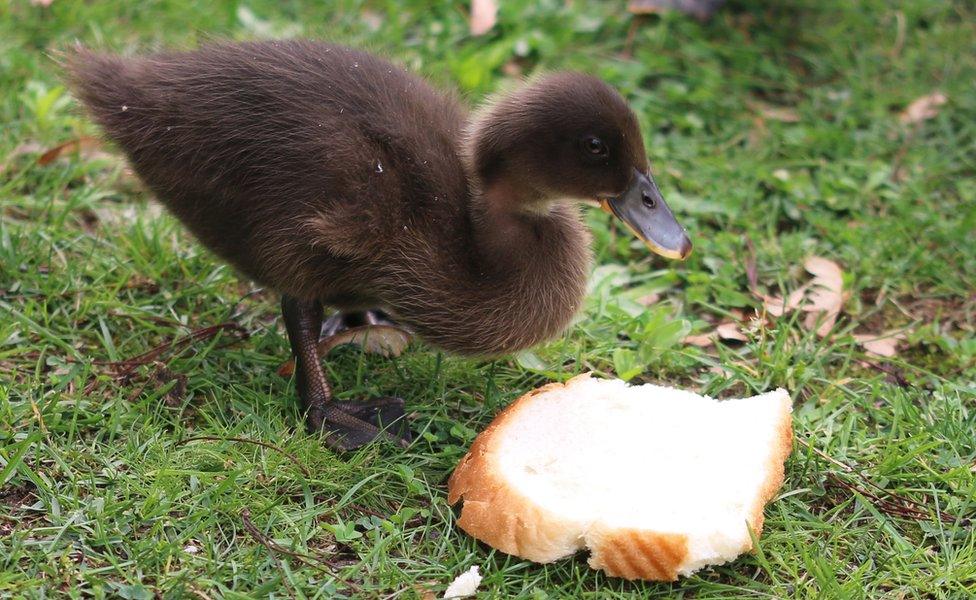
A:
(453, 304)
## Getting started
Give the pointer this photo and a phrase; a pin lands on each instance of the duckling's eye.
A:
(595, 146)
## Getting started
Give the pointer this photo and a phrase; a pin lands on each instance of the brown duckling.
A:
(340, 180)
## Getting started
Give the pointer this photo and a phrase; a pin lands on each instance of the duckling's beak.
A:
(644, 212)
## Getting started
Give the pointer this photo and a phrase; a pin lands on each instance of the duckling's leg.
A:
(349, 424)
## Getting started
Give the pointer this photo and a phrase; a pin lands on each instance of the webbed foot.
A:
(347, 425)
(384, 416)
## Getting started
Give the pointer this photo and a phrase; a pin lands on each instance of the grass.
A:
(102, 496)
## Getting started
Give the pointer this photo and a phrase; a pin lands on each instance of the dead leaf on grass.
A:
(884, 344)
(719, 370)
(484, 14)
(697, 8)
(649, 299)
(384, 340)
(758, 132)
(822, 297)
(512, 69)
(727, 330)
(702, 340)
(372, 19)
(826, 295)
(86, 146)
(923, 108)
(730, 331)
(777, 306)
(644, 7)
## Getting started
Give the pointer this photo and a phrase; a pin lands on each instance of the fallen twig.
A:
(305, 559)
(897, 506)
(126, 366)
(122, 369)
(896, 376)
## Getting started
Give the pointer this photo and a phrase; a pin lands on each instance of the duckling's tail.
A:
(108, 86)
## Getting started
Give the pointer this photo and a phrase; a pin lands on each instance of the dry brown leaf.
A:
(884, 344)
(372, 19)
(923, 109)
(826, 294)
(784, 114)
(822, 297)
(644, 7)
(512, 69)
(719, 370)
(649, 299)
(384, 340)
(727, 330)
(758, 132)
(86, 146)
(484, 14)
(777, 307)
(703, 340)
(700, 9)
(730, 331)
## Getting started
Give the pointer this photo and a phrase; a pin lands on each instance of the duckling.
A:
(339, 180)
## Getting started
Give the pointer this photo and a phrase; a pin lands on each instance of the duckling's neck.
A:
(509, 225)
(515, 278)
(531, 260)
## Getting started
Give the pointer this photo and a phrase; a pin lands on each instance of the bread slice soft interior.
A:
(656, 482)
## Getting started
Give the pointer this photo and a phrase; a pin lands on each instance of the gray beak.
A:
(648, 216)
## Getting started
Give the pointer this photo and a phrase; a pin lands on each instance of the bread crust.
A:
(776, 466)
(497, 514)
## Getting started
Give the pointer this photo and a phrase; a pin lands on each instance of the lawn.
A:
(148, 447)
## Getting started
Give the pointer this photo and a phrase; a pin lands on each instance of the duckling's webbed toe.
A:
(386, 413)
(367, 421)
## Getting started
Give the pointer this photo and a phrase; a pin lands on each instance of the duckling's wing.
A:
(244, 143)
(280, 153)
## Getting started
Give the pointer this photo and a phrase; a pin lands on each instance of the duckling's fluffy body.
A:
(329, 174)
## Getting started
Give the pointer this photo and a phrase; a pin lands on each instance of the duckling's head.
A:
(570, 136)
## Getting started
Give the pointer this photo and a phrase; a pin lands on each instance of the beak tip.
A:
(686, 248)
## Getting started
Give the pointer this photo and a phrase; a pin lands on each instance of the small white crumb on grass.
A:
(190, 549)
(464, 585)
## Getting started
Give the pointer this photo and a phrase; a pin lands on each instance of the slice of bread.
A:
(655, 482)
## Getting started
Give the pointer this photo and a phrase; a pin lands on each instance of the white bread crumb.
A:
(464, 585)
